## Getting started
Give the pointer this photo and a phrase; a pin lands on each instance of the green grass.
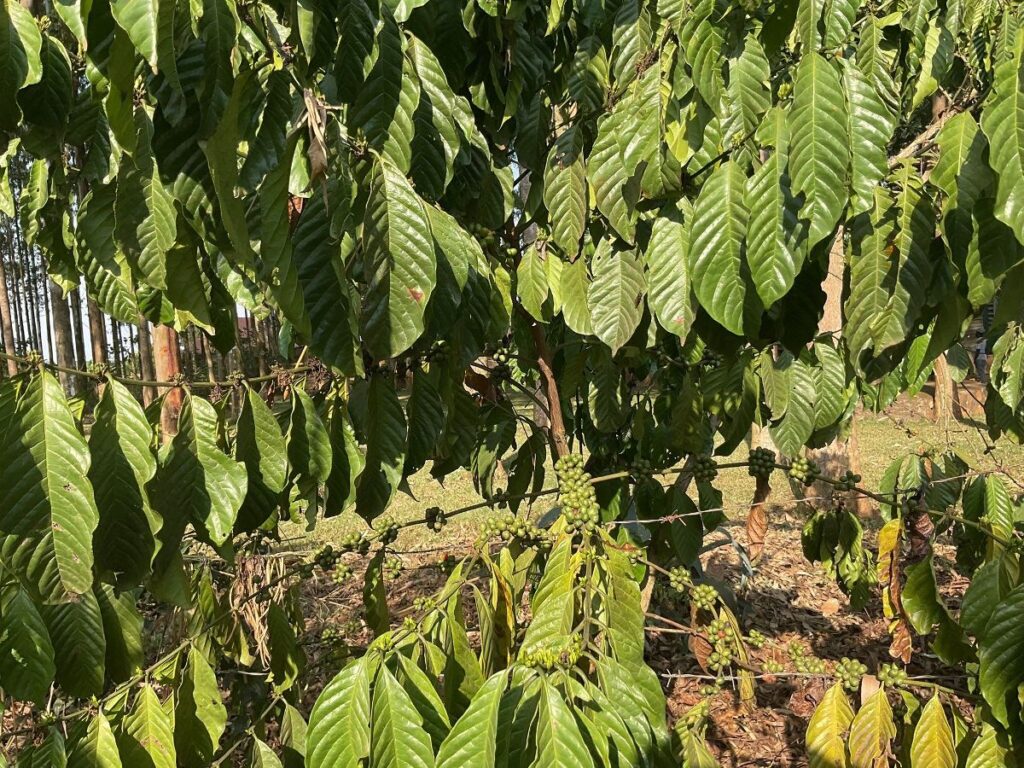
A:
(881, 439)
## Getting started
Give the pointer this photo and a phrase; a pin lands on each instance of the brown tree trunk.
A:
(63, 339)
(10, 345)
(839, 456)
(167, 359)
(945, 399)
(97, 333)
(146, 369)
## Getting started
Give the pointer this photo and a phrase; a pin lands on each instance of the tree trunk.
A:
(945, 399)
(63, 338)
(10, 345)
(839, 456)
(167, 359)
(79, 330)
(146, 370)
(97, 333)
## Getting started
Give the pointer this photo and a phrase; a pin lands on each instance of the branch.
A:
(556, 430)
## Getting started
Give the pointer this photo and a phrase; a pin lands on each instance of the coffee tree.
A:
(625, 212)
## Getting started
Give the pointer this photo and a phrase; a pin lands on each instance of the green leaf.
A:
(872, 732)
(933, 746)
(20, 62)
(749, 82)
(871, 123)
(776, 237)
(263, 756)
(616, 296)
(104, 266)
(221, 150)
(559, 741)
(122, 630)
(146, 222)
(47, 509)
(1002, 120)
(553, 604)
(718, 264)
(473, 739)
(123, 464)
(797, 424)
(375, 596)
(150, 26)
(262, 449)
(287, 659)
(79, 646)
(385, 449)
(399, 263)
(398, 739)
(47, 104)
(574, 290)
(990, 751)
(668, 272)
(826, 747)
(26, 655)
(609, 175)
(309, 446)
(199, 714)
(1002, 654)
(532, 282)
(819, 150)
(97, 747)
(279, 269)
(347, 463)
(208, 485)
(339, 725)
(146, 737)
(989, 585)
(328, 300)
(565, 191)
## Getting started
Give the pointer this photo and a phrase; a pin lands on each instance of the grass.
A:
(882, 438)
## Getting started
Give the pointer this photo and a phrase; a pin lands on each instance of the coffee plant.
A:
(625, 213)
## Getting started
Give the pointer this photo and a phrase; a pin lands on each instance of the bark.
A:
(97, 333)
(556, 430)
(839, 456)
(945, 399)
(75, 300)
(5, 320)
(167, 359)
(63, 339)
(146, 369)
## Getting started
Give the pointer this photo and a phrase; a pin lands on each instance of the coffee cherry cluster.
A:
(761, 462)
(704, 468)
(436, 519)
(388, 530)
(756, 639)
(554, 656)
(579, 502)
(679, 578)
(341, 573)
(641, 468)
(501, 370)
(721, 637)
(438, 352)
(848, 481)
(704, 597)
(771, 666)
(804, 470)
(393, 566)
(327, 558)
(481, 233)
(507, 527)
(891, 674)
(804, 662)
(354, 542)
(849, 672)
